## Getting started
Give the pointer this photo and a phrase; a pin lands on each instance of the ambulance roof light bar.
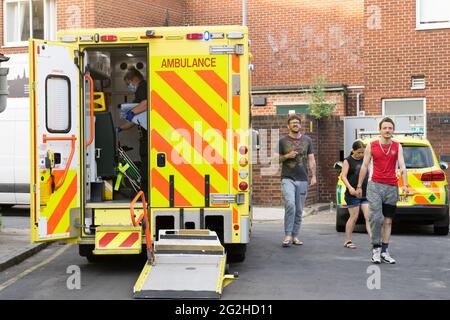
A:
(150, 34)
(69, 38)
(194, 36)
(108, 38)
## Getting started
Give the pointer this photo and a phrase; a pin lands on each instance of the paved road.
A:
(321, 269)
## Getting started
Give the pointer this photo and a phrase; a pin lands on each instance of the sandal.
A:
(286, 243)
(297, 242)
(350, 245)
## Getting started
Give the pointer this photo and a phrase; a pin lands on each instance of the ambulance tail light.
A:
(243, 150)
(194, 36)
(243, 186)
(108, 38)
(436, 175)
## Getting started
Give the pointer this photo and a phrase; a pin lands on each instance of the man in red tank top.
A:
(382, 189)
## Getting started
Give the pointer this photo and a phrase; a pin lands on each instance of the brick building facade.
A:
(106, 14)
(371, 50)
(367, 51)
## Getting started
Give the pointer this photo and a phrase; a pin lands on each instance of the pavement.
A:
(16, 246)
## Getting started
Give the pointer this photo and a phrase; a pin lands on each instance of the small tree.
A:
(319, 107)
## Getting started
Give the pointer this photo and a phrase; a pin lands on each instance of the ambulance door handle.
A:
(161, 160)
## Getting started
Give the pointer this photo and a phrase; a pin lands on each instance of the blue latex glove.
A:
(130, 115)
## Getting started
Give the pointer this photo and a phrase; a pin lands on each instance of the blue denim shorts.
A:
(354, 202)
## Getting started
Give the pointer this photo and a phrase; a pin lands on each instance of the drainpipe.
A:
(244, 12)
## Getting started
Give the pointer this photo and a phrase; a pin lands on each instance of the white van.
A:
(15, 135)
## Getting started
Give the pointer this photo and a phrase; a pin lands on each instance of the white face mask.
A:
(132, 87)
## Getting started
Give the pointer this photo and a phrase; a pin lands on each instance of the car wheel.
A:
(441, 227)
(441, 231)
(340, 227)
(340, 222)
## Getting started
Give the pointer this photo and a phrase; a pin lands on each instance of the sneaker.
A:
(386, 258)
(376, 252)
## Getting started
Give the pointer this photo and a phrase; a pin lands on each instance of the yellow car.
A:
(427, 200)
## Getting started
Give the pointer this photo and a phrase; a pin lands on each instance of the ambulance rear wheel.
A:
(236, 252)
(85, 250)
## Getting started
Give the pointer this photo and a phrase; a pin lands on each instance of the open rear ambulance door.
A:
(54, 101)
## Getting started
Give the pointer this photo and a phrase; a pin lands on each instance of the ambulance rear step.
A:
(188, 264)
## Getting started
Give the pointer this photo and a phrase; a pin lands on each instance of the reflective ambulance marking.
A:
(123, 239)
(58, 205)
(107, 238)
(132, 238)
(215, 82)
(235, 215)
(217, 182)
(164, 126)
(419, 187)
(176, 121)
(157, 197)
(193, 99)
(436, 190)
(237, 104)
(420, 200)
(187, 170)
(162, 185)
(235, 180)
(190, 117)
(236, 119)
(235, 62)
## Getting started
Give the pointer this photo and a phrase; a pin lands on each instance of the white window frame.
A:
(50, 22)
(424, 100)
(429, 26)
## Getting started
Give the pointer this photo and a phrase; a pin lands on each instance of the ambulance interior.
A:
(112, 161)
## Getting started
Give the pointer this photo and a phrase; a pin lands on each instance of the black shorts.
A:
(389, 210)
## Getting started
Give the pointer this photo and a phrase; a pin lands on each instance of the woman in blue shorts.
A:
(350, 174)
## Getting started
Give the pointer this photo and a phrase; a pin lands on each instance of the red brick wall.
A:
(294, 41)
(327, 137)
(274, 99)
(139, 13)
(394, 51)
(102, 14)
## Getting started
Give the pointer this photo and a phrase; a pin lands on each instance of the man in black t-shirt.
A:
(296, 154)
(137, 85)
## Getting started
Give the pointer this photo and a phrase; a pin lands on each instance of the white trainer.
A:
(376, 255)
(386, 258)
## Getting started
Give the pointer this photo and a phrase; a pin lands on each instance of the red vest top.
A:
(384, 158)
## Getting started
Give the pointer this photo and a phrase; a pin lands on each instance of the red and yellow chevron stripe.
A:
(116, 240)
(57, 208)
(189, 122)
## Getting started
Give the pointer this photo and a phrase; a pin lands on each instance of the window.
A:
(417, 157)
(409, 110)
(432, 14)
(26, 19)
(295, 108)
(57, 104)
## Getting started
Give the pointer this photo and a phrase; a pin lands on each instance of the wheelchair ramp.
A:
(188, 264)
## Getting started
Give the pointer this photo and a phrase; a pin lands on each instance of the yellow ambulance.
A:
(86, 178)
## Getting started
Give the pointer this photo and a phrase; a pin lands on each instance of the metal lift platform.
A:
(187, 264)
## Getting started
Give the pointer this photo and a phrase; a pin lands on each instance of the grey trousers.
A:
(382, 203)
(294, 195)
